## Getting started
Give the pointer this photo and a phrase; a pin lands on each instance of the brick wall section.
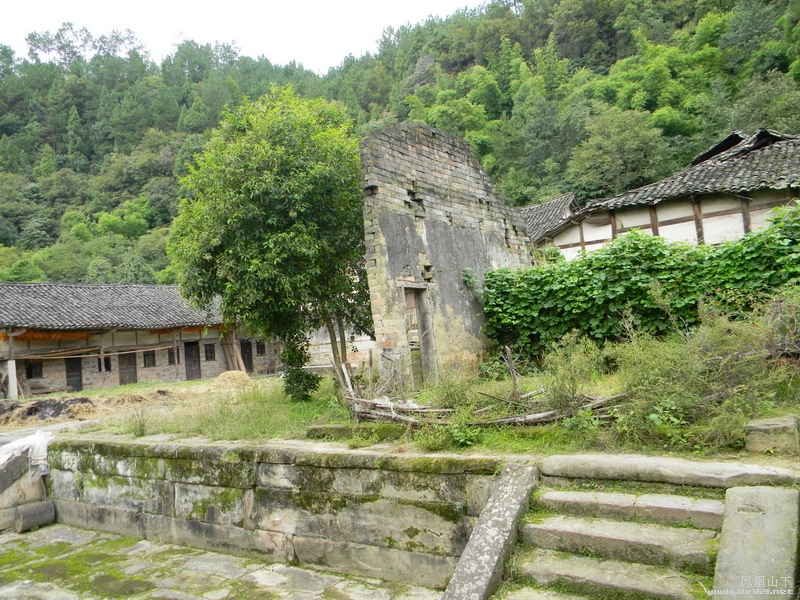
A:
(430, 213)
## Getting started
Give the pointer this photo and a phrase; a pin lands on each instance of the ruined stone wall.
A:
(432, 220)
(405, 518)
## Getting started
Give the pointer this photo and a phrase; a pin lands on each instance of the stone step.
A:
(655, 508)
(593, 575)
(681, 548)
(536, 594)
(658, 469)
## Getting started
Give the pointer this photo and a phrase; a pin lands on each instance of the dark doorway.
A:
(247, 354)
(127, 368)
(418, 329)
(74, 367)
(191, 351)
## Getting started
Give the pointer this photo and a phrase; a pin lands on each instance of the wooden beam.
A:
(746, 215)
(698, 221)
(653, 219)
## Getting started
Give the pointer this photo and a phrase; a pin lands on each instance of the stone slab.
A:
(658, 469)
(494, 536)
(778, 434)
(34, 514)
(534, 594)
(12, 470)
(546, 567)
(22, 491)
(681, 548)
(657, 508)
(417, 568)
(758, 547)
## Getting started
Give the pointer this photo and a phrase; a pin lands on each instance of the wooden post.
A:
(102, 362)
(11, 365)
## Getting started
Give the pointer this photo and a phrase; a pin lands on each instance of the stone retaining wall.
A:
(399, 517)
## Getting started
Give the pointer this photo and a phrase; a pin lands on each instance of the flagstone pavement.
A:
(58, 562)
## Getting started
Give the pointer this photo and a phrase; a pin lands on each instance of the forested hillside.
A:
(592, 96)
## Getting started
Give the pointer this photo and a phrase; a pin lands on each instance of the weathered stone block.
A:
(778, 434)
(222, 538)
(222, 506)
(121, 521)
(427, 570)
(481, 565)
(12, 470)
(33, 514)
(23, 490)
(427, 527)
(758, 547)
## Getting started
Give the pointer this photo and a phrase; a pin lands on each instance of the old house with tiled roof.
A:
(724, 193)
(75, 336)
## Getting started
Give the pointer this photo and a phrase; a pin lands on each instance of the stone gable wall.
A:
(432, 221)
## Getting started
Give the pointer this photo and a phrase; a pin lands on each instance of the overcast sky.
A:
(316, 33)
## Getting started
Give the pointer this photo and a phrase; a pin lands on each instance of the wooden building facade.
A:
(58, 337)
(724, 193)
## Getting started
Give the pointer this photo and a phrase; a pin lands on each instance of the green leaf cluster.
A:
(661, 285)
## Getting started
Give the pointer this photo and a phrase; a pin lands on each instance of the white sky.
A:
(316, 33)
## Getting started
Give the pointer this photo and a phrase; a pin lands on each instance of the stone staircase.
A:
(630, 543)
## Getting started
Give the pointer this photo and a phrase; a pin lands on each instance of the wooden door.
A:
(247, 354)
(74, 368)
(191, 353)
(127, 368)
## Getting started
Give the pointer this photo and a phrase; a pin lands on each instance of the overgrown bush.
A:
(568, 370)
(696, 391)
(661, 283)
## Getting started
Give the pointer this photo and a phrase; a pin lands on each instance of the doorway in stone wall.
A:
(418, 330)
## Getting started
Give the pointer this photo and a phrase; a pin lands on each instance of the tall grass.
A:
(259, 414)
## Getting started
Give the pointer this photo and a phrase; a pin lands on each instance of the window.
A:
(261, 348)
(211, 351)
(172, 353)
(106, 363)
(33, 369)
(149, 358)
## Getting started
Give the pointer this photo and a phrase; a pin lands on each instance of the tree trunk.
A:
(336, 356)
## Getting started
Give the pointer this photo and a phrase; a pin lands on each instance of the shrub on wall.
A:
(660, 284)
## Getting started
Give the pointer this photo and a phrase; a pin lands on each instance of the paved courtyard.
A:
(58, 562)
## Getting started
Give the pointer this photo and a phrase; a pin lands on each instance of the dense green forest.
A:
(591, 96)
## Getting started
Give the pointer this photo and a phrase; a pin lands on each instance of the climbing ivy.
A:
(658, 283)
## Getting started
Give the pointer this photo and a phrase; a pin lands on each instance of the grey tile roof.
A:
(544, 217)
(765, 160)
(736, 164)
(82, 306)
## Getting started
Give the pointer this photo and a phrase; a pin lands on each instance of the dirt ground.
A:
(97, 405)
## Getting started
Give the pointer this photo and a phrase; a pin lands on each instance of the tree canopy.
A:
(89, 124)
(272, 222)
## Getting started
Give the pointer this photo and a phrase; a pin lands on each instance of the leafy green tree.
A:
(623, 151)
(47, 163)
(272, 224)
(100, 271)
(134, 269)
(771, 100)
(23, 271)
(35, 234)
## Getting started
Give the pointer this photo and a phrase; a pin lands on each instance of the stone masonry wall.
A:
(432, 220)
(405, 518)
